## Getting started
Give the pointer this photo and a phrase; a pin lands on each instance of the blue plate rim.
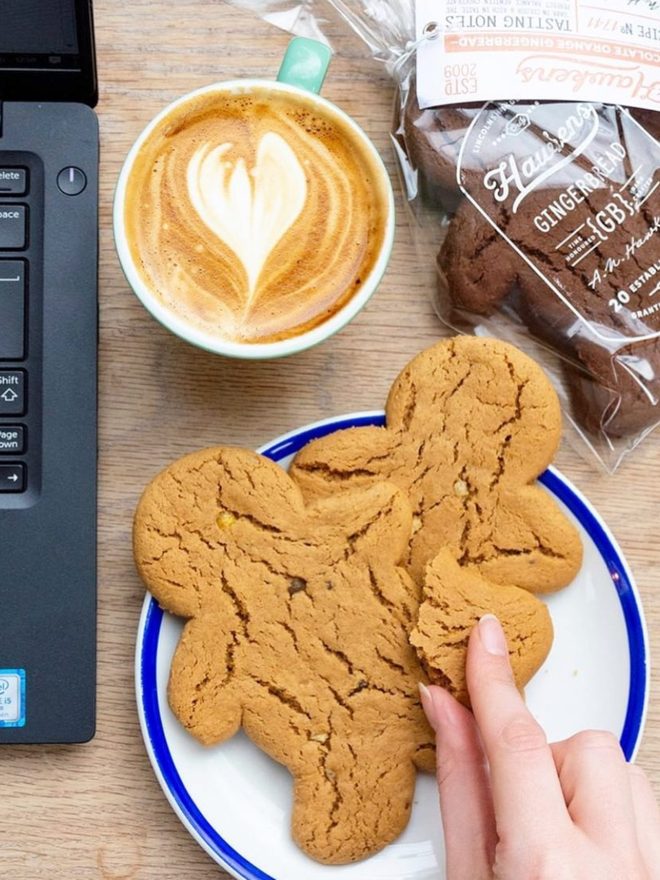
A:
(287, 444)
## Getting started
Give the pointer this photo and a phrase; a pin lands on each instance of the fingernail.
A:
(492, 635)
(428, 705)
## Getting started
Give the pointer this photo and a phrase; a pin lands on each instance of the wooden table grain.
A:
(96, 810)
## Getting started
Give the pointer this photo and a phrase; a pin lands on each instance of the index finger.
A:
(527, 794)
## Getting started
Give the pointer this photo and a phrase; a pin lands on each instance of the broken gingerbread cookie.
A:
(453, 601)
(279, 598)
(471, 423)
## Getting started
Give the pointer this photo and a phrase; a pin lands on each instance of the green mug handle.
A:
(305, 64)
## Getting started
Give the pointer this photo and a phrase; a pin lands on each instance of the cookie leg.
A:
(358, 796)
(202, 691)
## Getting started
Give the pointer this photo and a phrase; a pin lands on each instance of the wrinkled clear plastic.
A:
(542, 220)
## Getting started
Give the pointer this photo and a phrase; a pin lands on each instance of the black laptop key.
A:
(12, 440)
(12, 477)
(13, 227)
(12, 310)
(12, 392)
(13, 181)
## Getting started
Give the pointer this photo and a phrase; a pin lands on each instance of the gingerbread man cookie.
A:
(298, 624)
(471, 423)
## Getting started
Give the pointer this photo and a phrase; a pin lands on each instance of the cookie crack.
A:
(386, 603)
(354, 537)
(419, 477)
(239, 606)
(455, 388)
(333, 473)
(514, 419)
(545, 550)
(340, 700)
(352, 671)
(466, 494)
(256, 522)
(346, 661)
(396, 667)
(439, 604)
(230, 653)
(508, 551)
(410, 407)
(292, 633)
(330, 775)
(283, 696)
(270, 568)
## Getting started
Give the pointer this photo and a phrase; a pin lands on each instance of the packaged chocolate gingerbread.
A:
(527, 147)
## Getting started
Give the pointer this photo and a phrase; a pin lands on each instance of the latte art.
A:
(255, 215)
(249, 211)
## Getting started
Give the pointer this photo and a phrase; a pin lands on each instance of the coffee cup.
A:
(254, 218)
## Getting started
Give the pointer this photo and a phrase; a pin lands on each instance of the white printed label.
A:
(12, 697)
(573, 50)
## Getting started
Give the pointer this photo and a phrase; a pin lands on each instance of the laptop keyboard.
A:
(21, 223)
(48, 400)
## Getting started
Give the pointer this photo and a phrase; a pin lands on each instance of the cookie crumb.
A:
(297, 585)
(461, 488)
(226, 519)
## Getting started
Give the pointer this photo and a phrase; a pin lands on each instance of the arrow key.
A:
(12, 477)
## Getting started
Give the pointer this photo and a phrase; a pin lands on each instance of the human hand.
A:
(517, 808)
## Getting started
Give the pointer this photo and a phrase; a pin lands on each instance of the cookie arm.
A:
(160, 555)
(349, 459)
(196, 510)
(545, 547)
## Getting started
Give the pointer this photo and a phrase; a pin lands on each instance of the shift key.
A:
(12, 310)
(13, 393)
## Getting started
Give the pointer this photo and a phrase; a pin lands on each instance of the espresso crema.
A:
(255, 215)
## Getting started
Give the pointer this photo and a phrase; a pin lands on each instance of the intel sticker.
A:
(12, 697)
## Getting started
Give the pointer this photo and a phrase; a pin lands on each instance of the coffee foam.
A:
(250, 211)
(254, 216)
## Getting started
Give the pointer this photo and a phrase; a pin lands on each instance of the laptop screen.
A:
(47, 51)
(39, 34)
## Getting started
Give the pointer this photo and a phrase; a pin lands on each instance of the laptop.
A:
(49, 147)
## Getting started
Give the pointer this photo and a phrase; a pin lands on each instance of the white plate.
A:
(236, 802)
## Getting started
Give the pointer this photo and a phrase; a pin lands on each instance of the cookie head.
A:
(471, 423)
(297, 630)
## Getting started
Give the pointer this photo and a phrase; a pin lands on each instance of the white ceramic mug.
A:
(301, 74)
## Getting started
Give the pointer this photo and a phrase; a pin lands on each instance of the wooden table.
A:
(97, 811)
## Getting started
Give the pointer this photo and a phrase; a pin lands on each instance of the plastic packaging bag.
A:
(543, 220)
